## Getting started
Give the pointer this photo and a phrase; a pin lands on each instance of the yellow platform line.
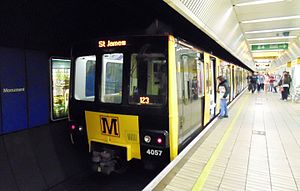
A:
(204, 174)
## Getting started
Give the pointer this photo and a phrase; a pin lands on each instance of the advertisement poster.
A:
(60, 73)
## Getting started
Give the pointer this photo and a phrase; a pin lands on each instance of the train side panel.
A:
(173, 100)
(232, 82)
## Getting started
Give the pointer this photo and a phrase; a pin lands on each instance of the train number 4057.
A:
(154, 152)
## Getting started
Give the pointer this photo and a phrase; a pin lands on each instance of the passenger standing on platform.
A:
(253, 81)
(271, 81)
(261, 81)
(249, 83)
(223, 89)
(277, 80)
(266, 82)
(290, 80)
(285, 84)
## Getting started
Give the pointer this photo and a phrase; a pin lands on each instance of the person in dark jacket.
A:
(223, 89)
(289, 81)
(285, 82)
(253, 81)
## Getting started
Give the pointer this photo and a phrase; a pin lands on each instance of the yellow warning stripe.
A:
(204, 174)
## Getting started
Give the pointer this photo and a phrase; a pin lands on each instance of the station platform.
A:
(256, 148)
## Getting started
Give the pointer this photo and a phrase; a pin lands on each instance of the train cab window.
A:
(85, 78)
(148, 79)
(111, 80)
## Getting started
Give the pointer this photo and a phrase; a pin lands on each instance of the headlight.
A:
(147, 138)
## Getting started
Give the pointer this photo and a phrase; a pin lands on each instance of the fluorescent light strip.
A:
(272, 38)
(277, 50)
(269, 43)
(60, 59)
(271, 19)
(273, 30)
(262, 60)
(257, 2)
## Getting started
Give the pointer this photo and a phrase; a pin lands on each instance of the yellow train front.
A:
(140, 97)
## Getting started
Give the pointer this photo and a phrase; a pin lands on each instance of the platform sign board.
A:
(13, 90)
(282, 46)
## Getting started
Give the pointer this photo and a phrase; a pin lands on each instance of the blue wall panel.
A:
(37, 87)
(0, 109)
(13, 90)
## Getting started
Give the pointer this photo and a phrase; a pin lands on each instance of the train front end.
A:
(119, 100)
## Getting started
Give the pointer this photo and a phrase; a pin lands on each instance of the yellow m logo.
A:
(109, 126)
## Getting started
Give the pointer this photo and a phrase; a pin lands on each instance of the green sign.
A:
(283, 46)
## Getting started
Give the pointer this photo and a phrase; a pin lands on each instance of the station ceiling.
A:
(273, 22)
(258, 32)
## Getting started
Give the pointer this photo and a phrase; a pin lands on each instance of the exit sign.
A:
(283, 46)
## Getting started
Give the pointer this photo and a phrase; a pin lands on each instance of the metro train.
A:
(143, 97)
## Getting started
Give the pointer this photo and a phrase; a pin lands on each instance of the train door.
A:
(233, 83)
(240, 80)
(185, 86)
(212, 90)
(219, 72)
(226, 74)
(237, 89)
(190, 88)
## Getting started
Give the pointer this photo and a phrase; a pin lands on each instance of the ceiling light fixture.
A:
(273, 30)
(277, 50)
(257, 2)
(262, 60)
(272, 38)
(262, 43)
(271, 19)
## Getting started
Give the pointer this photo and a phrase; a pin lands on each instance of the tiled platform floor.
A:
(260, 151)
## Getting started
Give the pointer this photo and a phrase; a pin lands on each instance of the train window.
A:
(60, 80)
(190, 74)
(85, 78)
(111, 81)
(148, 79)
(192, 85)
(200, 77)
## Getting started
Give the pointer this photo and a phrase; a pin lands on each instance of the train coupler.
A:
(103, 162)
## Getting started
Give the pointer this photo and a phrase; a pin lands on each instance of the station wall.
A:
(24, 82)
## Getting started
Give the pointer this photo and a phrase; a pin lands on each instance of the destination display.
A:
(111, 43)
